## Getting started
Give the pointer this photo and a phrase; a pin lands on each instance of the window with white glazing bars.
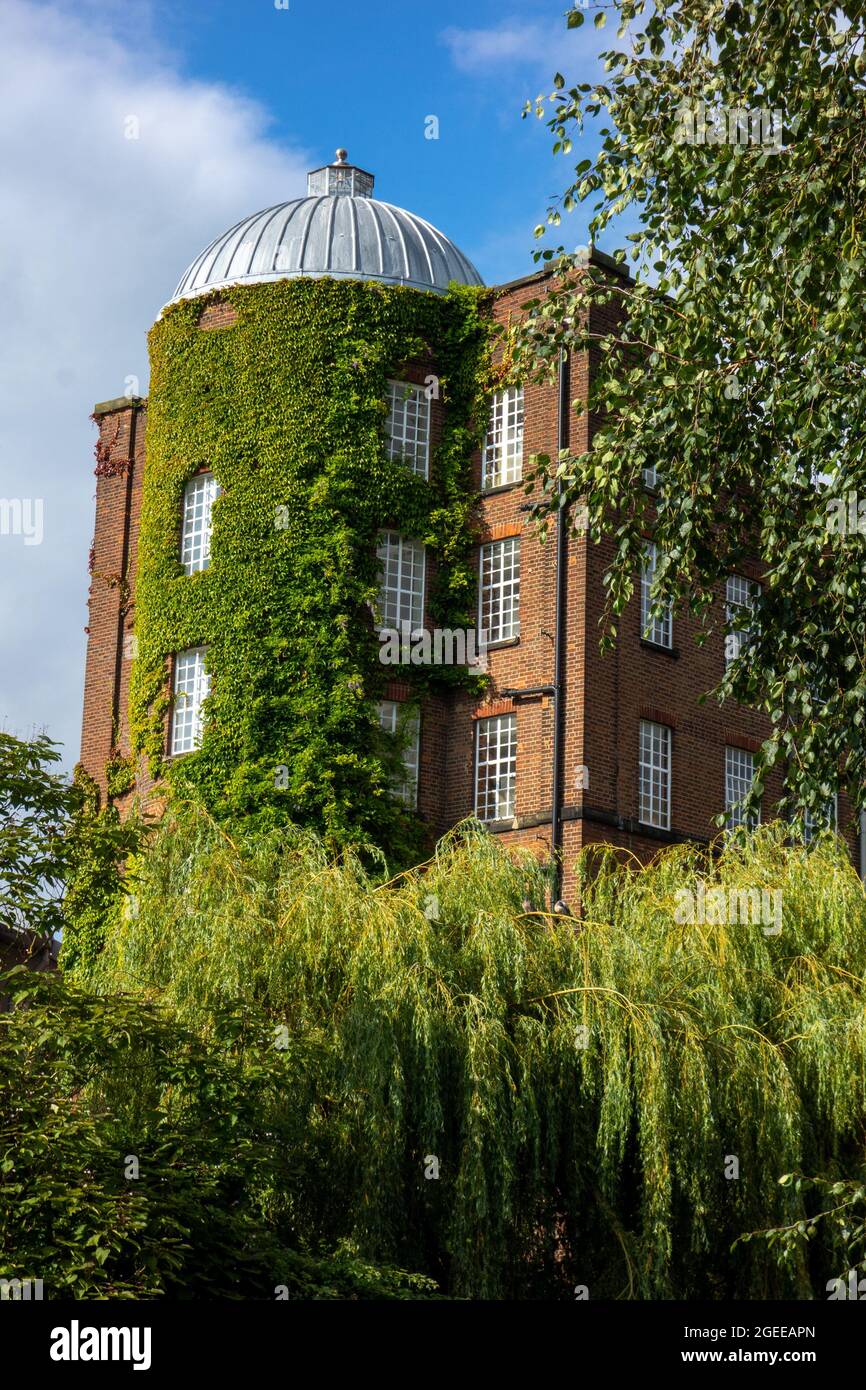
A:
(659, 629)
(739, 776)
(401, 589)
(654, 775)
(409, 425)
(496, 767)
(408, 726)
(812, 824)
(502, 457)
(191, 689)
(199, 496)
(499, 607)
(740, 597)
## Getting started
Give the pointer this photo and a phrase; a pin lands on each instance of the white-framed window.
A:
(409, 425)
(739, 776)
(499, 589)
(812, 825)
(191, 688)
(199, 496)
(395, 720)
(502, 456)
(740, 595)
(654, 775)
(401, 590)
(650, 477)
(660, 629)
(496, 767)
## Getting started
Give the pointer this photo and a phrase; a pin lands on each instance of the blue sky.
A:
(366, 77)
(233, 101)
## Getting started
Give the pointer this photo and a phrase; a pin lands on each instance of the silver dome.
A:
(338, 230)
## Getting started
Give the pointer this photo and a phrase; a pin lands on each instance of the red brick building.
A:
(567, 747)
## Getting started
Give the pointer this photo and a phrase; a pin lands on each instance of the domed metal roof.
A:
(338, 230)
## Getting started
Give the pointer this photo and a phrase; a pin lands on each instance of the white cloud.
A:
(96, 231)
(549, 46)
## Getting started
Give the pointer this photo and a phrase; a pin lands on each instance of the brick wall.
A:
(120, 455)
(604, 697)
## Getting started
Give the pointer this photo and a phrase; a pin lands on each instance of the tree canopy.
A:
(733, 134)
(512, 1103)
(272, 1069)
(139, 1160)
(60, 853)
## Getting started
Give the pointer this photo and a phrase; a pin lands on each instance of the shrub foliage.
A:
(580, 1086)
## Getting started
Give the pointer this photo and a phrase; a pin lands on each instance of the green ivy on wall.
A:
(288, 407)
(119, 775)
(97, 844)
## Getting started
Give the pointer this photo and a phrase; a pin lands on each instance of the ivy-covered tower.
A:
(317, 393)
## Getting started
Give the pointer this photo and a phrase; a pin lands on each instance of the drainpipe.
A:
(863, 845)
(559, 640)
(124, 566)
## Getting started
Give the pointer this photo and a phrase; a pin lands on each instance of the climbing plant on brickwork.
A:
(99, 853)
(287, 406)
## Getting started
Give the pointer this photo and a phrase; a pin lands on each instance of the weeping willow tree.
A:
(516, 1104)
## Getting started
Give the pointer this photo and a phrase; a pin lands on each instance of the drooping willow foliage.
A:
(608, 1102)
